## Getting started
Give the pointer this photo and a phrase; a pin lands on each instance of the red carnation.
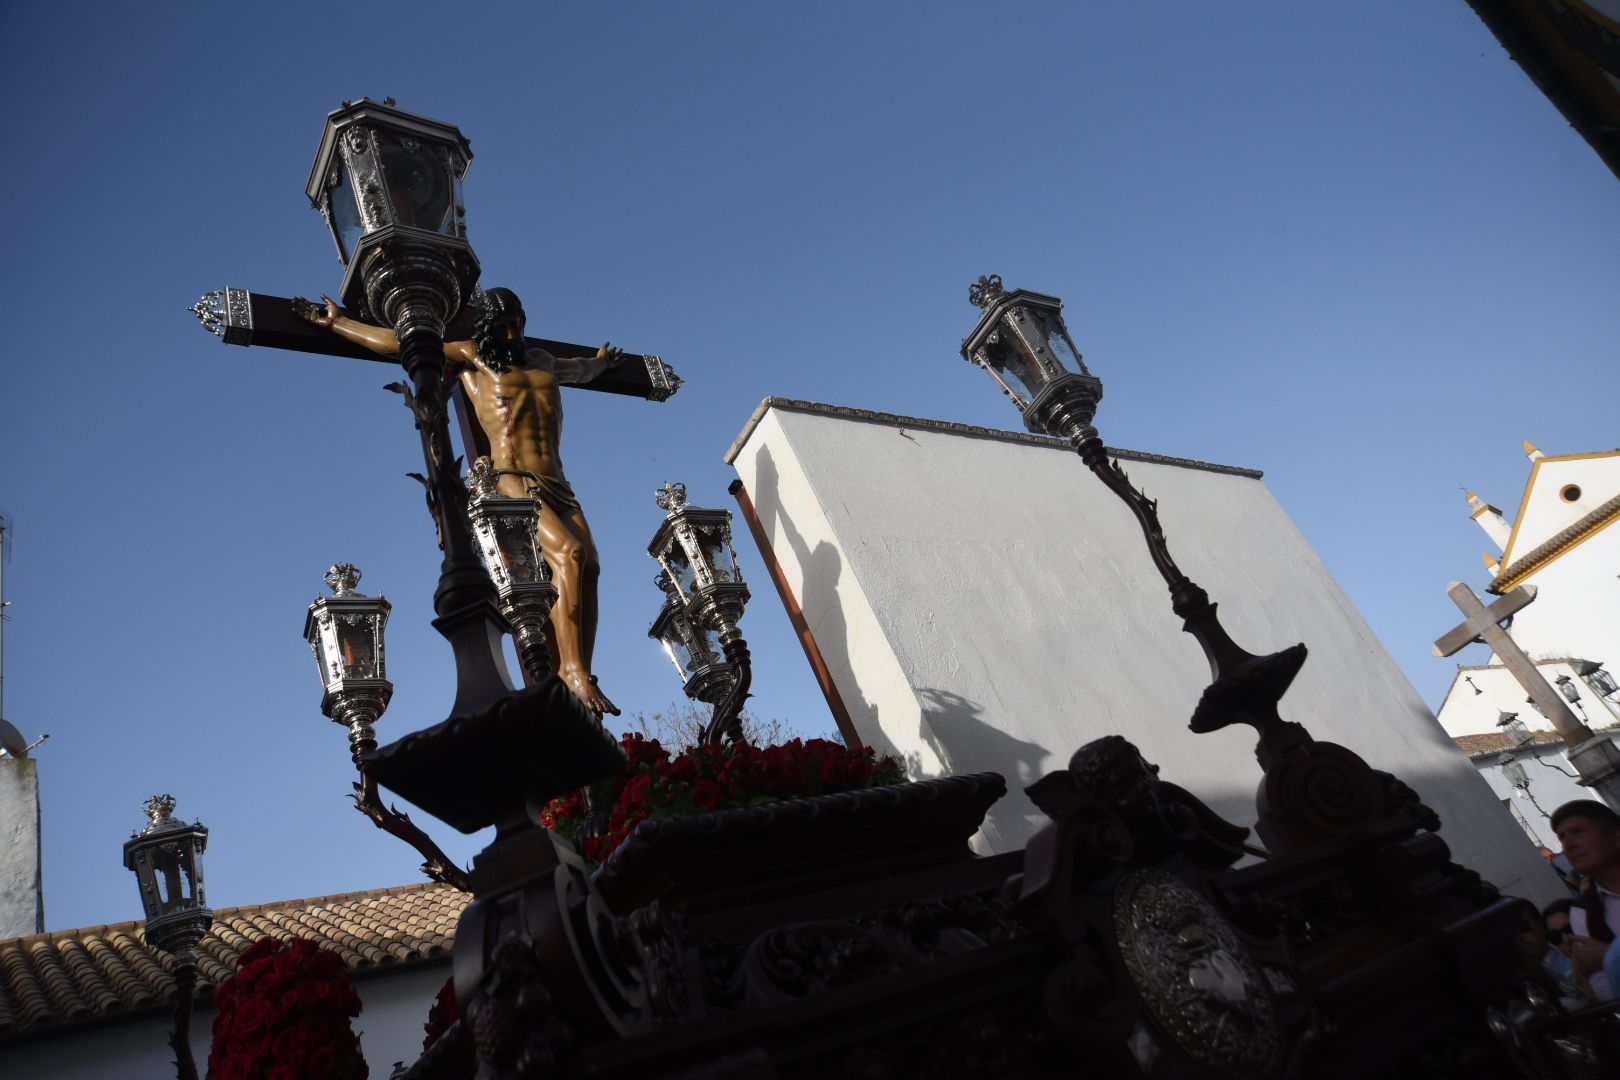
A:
(706, 795)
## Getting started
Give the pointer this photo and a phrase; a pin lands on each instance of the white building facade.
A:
(1564, 542)
(979, 601)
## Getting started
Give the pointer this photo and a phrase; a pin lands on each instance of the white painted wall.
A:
(1552, 784)
(1576, 611)
(986, 604)
(395, 1006)
(1464, 712)
(21, 906)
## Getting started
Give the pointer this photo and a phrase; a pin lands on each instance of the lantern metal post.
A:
(1022, 342)
(506, 529)
(346, 633)
(388, 184)
(166, 857)
(702, 579)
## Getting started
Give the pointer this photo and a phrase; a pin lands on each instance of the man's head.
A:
(498, 328)
(1590, 833)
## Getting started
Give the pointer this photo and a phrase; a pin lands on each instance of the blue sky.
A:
(1350, 245)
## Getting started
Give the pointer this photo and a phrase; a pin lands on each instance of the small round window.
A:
(1571, 492)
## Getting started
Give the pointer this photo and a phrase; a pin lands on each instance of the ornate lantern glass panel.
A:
(382, 173)
(345, 631)
(1514, 728)
(1023, 343)
(1515, 774)
(506, 529)
(166, 857)
(1566, 686)
(693, 546)
(696, 652)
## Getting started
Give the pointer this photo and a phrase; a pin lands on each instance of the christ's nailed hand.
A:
(306, 310)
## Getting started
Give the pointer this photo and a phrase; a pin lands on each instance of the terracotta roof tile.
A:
(1475, 745)
(57, 980)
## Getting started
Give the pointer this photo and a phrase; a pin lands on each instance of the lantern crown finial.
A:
(481, 478)
(160, 808)
(671, 497)
(986, 291)
(343, 578)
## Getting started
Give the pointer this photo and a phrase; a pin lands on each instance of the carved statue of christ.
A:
(515, 395)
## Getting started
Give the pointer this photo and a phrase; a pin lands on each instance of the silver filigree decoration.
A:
(342, 578)
(226, 313)
(210, 311)
(482, 477)
(671, 496)
(986, 291)
(1198, 983)
(663, 378)
(160, 808)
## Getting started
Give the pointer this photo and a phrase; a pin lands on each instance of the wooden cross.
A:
(1481, 623)
(240, 317)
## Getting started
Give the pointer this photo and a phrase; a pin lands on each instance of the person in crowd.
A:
(1560, 866)
(1590, 834)
(1543, 961)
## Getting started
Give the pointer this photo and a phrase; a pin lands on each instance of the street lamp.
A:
(1601, 682)
(1514, 728)
(505, 529)
(1514, 771)
(166, 857)
(701, 579)
(388, 184)
(345, 632)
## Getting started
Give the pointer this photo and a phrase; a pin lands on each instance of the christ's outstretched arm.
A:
(582, 369)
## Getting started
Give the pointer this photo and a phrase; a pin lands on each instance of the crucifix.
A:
(1595, 757)
(240, 317)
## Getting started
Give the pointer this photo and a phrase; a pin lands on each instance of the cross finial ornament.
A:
(671, 496)
(343, 578)
(986, 291)
(160, 808)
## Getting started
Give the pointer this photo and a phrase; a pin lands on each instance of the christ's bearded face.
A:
(501, 347)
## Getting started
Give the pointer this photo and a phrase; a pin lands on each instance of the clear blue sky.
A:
(1347, 244)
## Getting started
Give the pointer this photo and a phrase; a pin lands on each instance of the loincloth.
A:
(550, 490)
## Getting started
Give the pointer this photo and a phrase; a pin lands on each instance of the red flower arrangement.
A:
(285, 1015)
(657, 785)
(441, 1015)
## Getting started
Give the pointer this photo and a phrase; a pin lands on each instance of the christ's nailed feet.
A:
(583, 684)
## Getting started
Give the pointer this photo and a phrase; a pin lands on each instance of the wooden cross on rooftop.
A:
(1481, 623)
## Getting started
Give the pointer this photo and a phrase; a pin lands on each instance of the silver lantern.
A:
(383, 176)
(693, 546)
(696, 653)
(166, 857)
(1024, 345)
(345, 631)
(505, 529)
